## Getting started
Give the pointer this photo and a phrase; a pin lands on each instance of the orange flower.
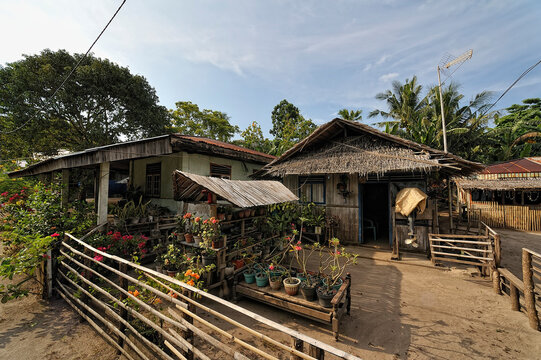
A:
(188, 272)
(172, 294)
(196, 276)
(191, 283)
(157, 301)
(136, 293)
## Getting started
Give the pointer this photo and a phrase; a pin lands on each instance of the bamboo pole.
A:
(496, 281)
(149, 344)
(113, 328)
(191, 347)
(174, 350)
(236, 323)
(208, 338)
(515, 297)
(132, 297)
(529, 293)
(95, 326)
(182, 344)
(307, 339)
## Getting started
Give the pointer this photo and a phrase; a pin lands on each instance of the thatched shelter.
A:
(355, 171)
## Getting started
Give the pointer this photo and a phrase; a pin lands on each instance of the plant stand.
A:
(341, 302)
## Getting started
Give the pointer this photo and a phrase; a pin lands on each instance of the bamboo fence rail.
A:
(517, 217)
(98, 291)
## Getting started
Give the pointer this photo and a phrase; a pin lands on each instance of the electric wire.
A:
(69, 74)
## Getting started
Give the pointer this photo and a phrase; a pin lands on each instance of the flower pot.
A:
(229, 217)
(275, 283)
(317, 230)
(196, 239)
(262, 211)
(291, 285)
(249, 277)
(261, 279)
(221, 217)
(324, 297)
(308, 292)
(159, 268)
(171, 273)
(191, 255)
(164, 271)
(252, 212)
(238, 263)
(217, 244)
(241, 214)
(247, 213)
(208, 260)
(300, 276)
(134, 221)
(336, 286)
(188, 237)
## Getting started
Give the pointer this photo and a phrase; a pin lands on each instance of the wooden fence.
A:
(528, 289)
(478, 250)
(178, 316)
(515, 217)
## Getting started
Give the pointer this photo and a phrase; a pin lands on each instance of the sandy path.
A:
(512, 243)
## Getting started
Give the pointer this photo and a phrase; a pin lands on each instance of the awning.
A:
(242, 193)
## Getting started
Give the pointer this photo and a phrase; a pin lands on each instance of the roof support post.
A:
(103, 192)
(65, 187)
(450, 188)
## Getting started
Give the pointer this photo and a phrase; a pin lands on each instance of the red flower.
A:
(98, 258)
(4, 193)
(197, 219)
(298, 248)
(271, 267)
(141, 245)
(214, 221)
(205, 221)
(55, 235)
(110, 233)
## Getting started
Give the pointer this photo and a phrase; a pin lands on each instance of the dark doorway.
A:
(375, 214)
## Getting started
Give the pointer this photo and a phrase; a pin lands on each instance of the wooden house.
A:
(355, 171)
(149, 165)
(506, 195)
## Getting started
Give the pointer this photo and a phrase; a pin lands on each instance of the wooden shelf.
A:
(227, 222)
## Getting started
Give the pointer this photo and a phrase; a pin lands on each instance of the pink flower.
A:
(4, 193)
(271, 267)
(55, 235)
(298, 248)
(298, 242)
(214, 221)
(141, 245)
(98, 258)
(338, 253)
(102, 248)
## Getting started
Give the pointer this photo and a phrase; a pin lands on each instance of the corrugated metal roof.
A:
(225, 145)
(525, 165)
(242, 193)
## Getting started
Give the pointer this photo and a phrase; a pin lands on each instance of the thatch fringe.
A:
(500, 184)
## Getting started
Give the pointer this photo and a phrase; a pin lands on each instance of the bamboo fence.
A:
(183, 327)
(517, 217)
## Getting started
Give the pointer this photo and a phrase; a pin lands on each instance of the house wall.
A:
(193, 163)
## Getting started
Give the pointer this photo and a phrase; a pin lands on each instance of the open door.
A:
(374, 214)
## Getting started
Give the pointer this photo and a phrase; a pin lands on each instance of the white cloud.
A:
(387, 77)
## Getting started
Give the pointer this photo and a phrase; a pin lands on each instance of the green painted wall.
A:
(192, 163)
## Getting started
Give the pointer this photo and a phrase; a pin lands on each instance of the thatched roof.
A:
(500, 184)
(342, 146)
(243, 193)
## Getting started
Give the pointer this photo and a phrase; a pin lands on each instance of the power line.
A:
(71, 72)
(513, 84)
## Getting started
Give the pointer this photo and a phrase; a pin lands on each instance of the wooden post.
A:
(529, 293)
(450, 195)
(49, 274)
(65, 187)
(348, 294)
(103, 194)
(496, 281)
(396, 246)
(497, 250)
(189, 333)
(316, 352)
(515, 297)
(123, 282)
(297, 345)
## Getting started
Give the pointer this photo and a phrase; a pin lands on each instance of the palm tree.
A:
(351, 115)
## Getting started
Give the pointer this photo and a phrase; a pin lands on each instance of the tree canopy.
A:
(351, 115)
(188, 119)
(101, 103)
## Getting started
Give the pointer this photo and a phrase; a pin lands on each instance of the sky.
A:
(244, 57)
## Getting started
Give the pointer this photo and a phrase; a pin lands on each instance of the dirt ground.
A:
(400, 310)
(512, 244)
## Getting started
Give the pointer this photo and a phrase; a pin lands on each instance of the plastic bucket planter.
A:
(291, 285)
(275, 283)
(324, 297)
(249, 277)
(261, 279)
(336, 286)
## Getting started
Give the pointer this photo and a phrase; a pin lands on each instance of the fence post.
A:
(515, 297)
(316, 352)
(123, 268)
(49, 274)
(529, 293)
(496, 281)
(296, 344)
(497, 250)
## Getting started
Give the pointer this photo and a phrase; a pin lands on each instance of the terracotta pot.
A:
(221, 217)
(247, 213)
(252, 212)
(241, 214)
(275, 283)
(188, 237)
(171, 273)
(238, 263)
(292, 288)
(197, 239)
(229, 217)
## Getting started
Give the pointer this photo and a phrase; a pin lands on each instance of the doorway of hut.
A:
(374, 215)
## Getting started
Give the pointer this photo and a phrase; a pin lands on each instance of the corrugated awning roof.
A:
(500, 184)
(242, 193)
(525, 165)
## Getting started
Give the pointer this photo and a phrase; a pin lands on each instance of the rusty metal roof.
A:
(242, 193)
(524, 165)
(224, 145)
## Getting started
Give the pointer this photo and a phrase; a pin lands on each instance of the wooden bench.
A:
(341, 302)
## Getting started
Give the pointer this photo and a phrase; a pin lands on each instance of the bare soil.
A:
(512, 243)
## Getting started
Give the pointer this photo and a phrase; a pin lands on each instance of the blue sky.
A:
(244, 57)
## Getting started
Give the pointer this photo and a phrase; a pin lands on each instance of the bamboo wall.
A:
(515, 217)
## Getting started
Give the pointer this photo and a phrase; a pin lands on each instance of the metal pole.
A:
(442, 113)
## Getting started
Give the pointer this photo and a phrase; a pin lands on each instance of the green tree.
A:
(188, 119)
(516, 134)
(253, 138)
(101, 103)
(351, 115)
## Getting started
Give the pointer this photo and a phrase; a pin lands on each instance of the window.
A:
(153, 180)
(221, 171)
(312, 189)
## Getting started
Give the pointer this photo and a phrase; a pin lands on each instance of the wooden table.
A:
(341, 302)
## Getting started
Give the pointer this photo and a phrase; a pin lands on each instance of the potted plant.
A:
(275, 275)
(249, 273)
(171, 260)
(196, 229)
(228, 213)
(184, 228)
(337, 261)
(308, 282)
